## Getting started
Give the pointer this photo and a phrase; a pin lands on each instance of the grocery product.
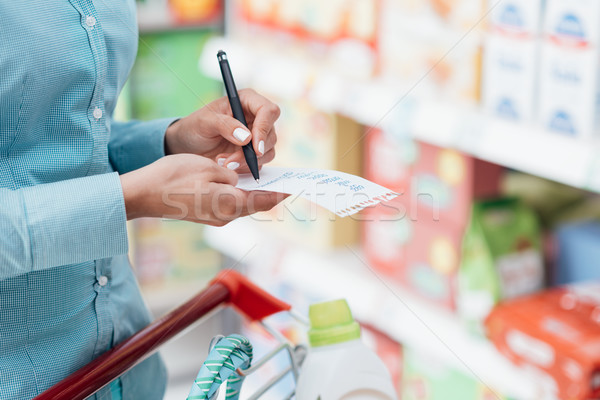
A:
(445, 183)
(570, 68)
(578, 252)
(511, 60)
(556, 332)
(501, 257)
(339, 365)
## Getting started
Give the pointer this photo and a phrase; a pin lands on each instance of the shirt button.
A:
(90, 21)
(102, 280)
(97, 113)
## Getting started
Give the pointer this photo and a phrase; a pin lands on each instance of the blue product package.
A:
(578, 252)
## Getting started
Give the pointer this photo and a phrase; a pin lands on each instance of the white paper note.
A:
(344, 194)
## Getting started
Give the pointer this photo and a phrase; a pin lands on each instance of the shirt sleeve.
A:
(62, 223)
(136, 144)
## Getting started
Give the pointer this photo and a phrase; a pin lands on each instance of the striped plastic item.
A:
(228, 354)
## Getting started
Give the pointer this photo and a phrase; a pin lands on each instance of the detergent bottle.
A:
(338, 365)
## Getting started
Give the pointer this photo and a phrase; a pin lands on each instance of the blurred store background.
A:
(483, 114)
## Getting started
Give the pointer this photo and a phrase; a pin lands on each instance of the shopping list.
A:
(344, 194)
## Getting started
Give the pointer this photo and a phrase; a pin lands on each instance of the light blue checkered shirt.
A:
(67, 291)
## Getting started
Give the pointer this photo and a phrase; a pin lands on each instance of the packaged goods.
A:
(501, 257)
(556, 332)
(570, 68)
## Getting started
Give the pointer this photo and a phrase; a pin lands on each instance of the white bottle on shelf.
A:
(339, 366)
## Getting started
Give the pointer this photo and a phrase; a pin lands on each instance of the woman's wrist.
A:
(171, 143)
(133, 196)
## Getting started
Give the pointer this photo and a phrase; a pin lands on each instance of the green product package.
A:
(501, 257)
(166, 80)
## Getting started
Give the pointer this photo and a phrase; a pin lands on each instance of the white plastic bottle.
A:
(339, 366)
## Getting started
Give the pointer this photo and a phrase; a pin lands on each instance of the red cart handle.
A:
(228, 287)
(247, 298)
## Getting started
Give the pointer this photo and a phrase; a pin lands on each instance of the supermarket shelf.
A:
(460, 126)
(388, 307)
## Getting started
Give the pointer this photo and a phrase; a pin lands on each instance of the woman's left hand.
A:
(212, 131)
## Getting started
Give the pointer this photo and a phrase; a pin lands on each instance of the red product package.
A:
(420, 256)
(556, 331)
(446, 182)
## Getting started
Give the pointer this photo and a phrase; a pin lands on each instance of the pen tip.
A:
(257, 181)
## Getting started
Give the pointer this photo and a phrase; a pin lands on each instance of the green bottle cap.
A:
(331, 323)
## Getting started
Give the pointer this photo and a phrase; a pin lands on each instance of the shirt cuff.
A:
(136, 144)
(88, 220)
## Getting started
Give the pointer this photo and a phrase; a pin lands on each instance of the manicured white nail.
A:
(261, 147)
(221, 161)
(233, 165)
(241, 134)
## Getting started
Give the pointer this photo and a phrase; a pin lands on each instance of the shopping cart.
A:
(229, 287)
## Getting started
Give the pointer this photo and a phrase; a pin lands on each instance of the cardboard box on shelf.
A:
(161, 15)
(316, 20)
(578, 253)
(416, 238)
(501, 257)
(556, 332)
(389, 160)
(312, 138)
(570, 68)
(445, 183)
(510, 76)
(422, 256)
(460, 15)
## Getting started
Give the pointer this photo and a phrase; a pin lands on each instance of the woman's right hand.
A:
(192, 188)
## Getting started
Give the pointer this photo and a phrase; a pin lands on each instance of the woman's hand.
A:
(191, 188)
(212, 132)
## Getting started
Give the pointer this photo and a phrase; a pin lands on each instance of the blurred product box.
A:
(578, 253)
(166, 80)
(168, 14)
(422, 256)
(460, 15)
(309, 138)
(427, 378)
(416, 238)
(341, 34)
(570, 68)
(328, 21)
(425, 66)
(445, 183)
(501, 257)
(511, 60)
(389, 160)
(415, 37)
(556, 332)
(170, 252)
(388, 350)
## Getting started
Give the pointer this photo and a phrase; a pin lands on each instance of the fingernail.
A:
(221, 161)
(233, 165)
(241, 134)
(261, 147)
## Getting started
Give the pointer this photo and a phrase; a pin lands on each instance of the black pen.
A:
(238, 111)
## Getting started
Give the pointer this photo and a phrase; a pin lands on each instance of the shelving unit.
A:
(373, 300)
(374, 102)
